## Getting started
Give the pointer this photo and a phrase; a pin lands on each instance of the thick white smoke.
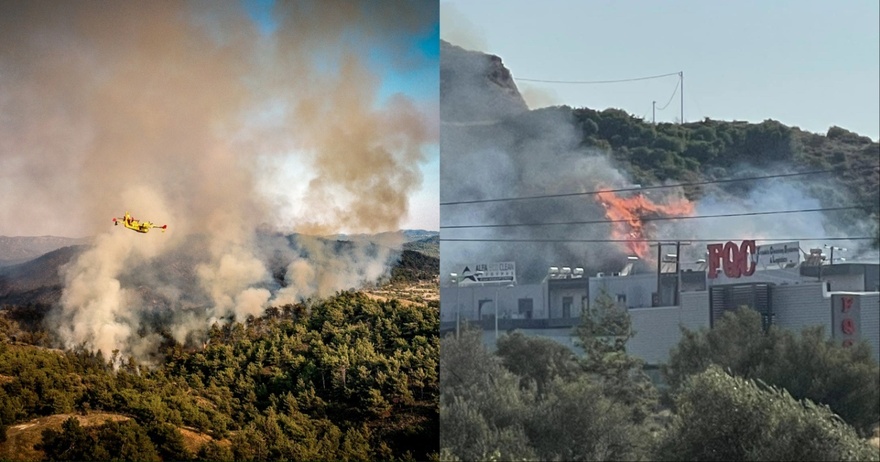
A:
(172, 112)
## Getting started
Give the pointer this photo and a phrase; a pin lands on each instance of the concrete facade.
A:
(870, 321)
(792, 299)
(797, 306)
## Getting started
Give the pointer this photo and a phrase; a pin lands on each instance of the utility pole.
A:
(681, 80)
(659, 268)
(653, 113)
(678, 245)
(457, 282)
(496, 316)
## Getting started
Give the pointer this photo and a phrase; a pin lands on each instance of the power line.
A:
(591, 82)
(644, 188)
(592, 222)
(671, 96)
(858, 238)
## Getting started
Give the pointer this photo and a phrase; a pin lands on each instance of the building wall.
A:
(870, 322)
(797, 306)
(695, 310)
(636, 287)
(774, 276)
(658, 329)
(468, 300)
(557, 296)
(846, 282)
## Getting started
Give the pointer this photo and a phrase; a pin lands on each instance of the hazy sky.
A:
(314, 117)
(806, 63)
(420, 83)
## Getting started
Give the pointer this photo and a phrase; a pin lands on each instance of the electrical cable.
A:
(646, 188)
(670, 97)
(591, 82)
(645, 220)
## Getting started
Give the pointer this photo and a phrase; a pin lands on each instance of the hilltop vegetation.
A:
(544, 144)
(348, 377)
(713, 150)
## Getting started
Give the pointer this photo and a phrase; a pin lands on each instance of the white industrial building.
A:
(845, 298)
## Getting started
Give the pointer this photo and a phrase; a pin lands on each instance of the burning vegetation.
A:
(631, 215)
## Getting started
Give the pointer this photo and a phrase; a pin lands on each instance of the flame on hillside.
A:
(631, 214)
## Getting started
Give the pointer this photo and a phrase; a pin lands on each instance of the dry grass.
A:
(21, 438)
(419, 293)
(193, 440)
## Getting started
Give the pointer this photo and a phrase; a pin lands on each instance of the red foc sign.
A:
(848, 326)
(735, 260)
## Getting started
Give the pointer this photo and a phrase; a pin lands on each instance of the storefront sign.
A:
(845, 317)
(734, 260)
(781, 254)
(494, 273)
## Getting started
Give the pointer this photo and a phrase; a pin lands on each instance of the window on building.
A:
(526, 305)
(489, 313)
(566, 307)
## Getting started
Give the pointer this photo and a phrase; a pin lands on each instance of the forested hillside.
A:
(348, 378)
(735, 394)
(711, 149)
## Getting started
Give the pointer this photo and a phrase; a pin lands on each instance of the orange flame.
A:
(630, 213)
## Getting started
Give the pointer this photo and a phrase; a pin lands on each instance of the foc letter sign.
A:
(735, 260)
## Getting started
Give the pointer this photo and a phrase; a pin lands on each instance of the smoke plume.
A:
(174, 112)
(541, 153)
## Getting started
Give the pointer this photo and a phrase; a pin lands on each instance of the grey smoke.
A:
(173, 112)
(540, 152)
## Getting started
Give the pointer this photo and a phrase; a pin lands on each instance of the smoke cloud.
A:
(458, 29)
(179, 113)
(537, 97)
(541, 153)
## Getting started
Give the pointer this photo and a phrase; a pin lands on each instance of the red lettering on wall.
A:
(747, 268)
(845, 304)
(734, 260)
(848, 326)
(714, 259)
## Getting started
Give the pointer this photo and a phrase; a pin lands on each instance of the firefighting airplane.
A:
(135, 225)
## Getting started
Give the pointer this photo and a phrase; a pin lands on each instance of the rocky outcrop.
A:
(475, 87)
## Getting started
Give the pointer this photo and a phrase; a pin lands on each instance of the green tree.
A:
(537, 360)
(807, 365)
(211, 451)
(73, 442)
(721, 417)
(482, 406)
(126, 441)
(168, 441)
(576, 421)
(604, 330)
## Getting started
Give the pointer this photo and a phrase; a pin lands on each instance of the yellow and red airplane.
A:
(135, 225)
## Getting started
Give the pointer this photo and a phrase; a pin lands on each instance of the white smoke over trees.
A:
(172, 111)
